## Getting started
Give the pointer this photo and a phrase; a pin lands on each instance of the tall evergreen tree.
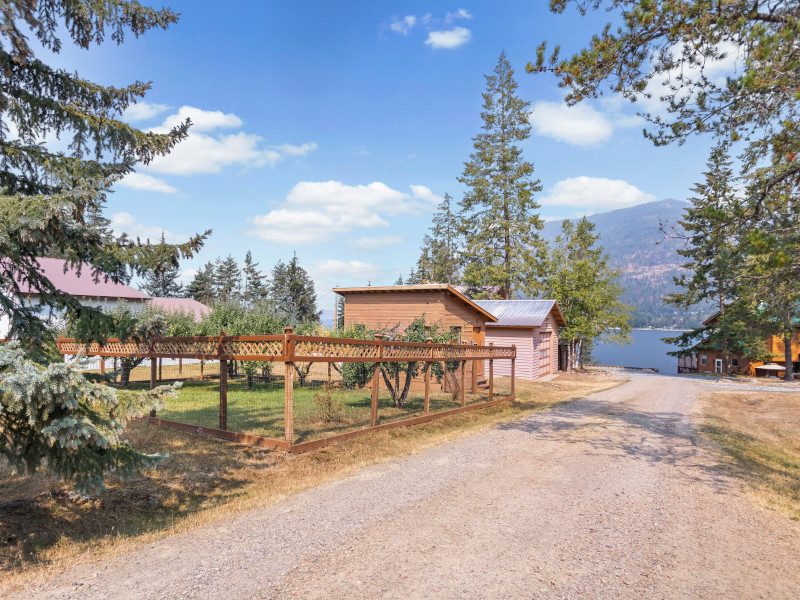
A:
(51, 204)
(713, 259)
(227, 279)
(439, 259)
(255, 288)
(578, 276)
(292, 291)
(499, 215)
(202, 287)
(162, 280)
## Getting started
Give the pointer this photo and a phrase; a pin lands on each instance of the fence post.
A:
(428, 367)
(475, 372)
(115, 368)
(102, 365)
(223, 384)
(180, 366)
(330, 375)
(202, 364)
(463, 386)
(153, 380)
(160, 372)
(513, 368)
(376, 382)
(288, 386)
(491, 373)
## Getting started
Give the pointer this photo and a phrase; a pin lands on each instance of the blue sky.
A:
(331, 129)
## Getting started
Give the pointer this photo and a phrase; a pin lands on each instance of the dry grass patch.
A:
(204, 479)
(760, 432)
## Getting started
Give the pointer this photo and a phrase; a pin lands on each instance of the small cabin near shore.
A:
(389, 307)
(531, 326)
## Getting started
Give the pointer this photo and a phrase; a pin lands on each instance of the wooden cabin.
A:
(531, 326)
(710, 360)
(387, 307)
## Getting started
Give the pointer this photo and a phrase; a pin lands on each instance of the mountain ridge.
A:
(643, 242)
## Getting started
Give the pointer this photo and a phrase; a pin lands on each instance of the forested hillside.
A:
(647, 257)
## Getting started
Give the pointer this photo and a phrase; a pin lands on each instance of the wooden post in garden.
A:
(330, 375)
(202, 364)
(115, 368)
(428, 367)
(474, 373)
(102, 365)
(180, 366)
(376, 382)
(463, 386)
(153, 380)
(223, 384)
(160, 366)
(288, 386)
(491, 373)
(513, 369)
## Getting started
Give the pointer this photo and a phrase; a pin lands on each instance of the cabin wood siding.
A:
(385, 310)
(513, 336)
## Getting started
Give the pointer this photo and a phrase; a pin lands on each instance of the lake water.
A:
(646, 350)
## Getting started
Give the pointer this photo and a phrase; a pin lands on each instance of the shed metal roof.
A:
(521, 313)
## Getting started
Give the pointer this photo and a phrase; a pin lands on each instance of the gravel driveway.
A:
(607, 497)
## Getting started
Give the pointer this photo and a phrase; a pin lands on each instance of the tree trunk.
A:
(125, 375)
(787, 355)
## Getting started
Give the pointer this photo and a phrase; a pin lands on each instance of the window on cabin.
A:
(735, 362)
(703, 360)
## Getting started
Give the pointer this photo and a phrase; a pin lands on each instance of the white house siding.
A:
(513, 336)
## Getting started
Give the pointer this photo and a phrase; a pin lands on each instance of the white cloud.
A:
(580, 125)
(207, 150)
(404, 25)
(593, 194)
(142, 182)
(126, 223)
(449, 39)
(373, 243)
(332, 269)
(186, 276)
(141, 111)
(461, 13)
(314, 211)
(202, 120)
(424, 193)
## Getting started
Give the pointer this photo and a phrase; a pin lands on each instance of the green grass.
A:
(260, 410)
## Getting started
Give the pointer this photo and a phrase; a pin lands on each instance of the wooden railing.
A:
(286, 348)
(290, 349)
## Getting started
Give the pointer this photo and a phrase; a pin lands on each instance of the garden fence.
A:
(297, 393)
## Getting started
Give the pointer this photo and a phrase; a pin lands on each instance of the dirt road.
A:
(607, 497)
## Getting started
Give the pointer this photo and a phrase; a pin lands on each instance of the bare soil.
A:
(612, 496)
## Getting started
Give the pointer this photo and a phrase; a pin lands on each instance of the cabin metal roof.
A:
(521, 313)
(421, 287)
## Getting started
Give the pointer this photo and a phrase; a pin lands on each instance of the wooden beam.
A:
(491, 376)
(288, 389)
(474, 375)
(223, 395)
(153, 380)
(376, 383)
(180, 366)
(513, 372)
(463, 386)
(427, 405)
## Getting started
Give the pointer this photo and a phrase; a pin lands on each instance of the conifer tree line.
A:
(489, 240)
(287, 287)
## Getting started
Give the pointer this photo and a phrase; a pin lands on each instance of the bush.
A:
(329, 407)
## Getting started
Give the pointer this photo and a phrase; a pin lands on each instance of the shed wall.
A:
(522, 338)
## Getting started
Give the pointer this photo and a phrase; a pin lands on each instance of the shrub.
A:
(328, 405)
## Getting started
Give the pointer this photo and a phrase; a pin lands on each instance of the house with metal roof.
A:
(531, 326)
(90, 287)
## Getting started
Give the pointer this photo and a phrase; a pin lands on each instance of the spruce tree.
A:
(439, 258)
(51, 202)
(292, 291)
(499, 217)
(227, 279)
(254, 285)
(201, 287)
(579, 278)
(162, 280)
